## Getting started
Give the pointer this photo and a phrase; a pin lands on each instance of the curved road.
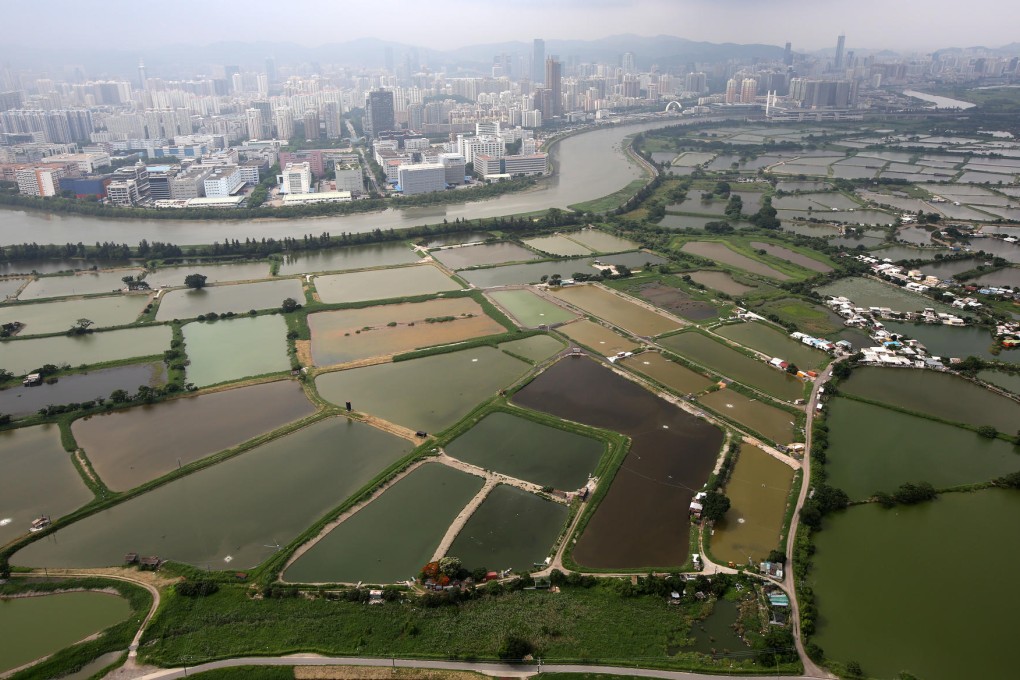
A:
(495, 669)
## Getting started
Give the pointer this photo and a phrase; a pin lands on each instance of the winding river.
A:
(590, 165)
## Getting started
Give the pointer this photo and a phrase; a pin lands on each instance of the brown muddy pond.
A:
(799, 259)
(671, 374)
(616, 309)
(677, 301)
(130, 447)
(720, 281)
(642, 520)
(597, 337)
(719, 252)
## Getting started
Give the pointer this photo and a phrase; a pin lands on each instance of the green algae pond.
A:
(528, 450)
(557, 245)
(947, 341)
(37, 478)
(774, 343)
(84, 283)
(531, 310)
(511, 529)
(235, 514)
(132, 446)
(23, 356)
(876, 449)
(483, 254)
(641, 521)
(754, 413)
(353, 257)
(392, 537)
(792, 256)
(1007, 381)
(871, 293)
(600, 241)
(715, 634)
(732, 364)
(351, 334)
(759, 492)
(720, 252)
(229, 349)
(536, 348)
(383, 284)
(938, 634)
(720, 281)
(171, 277)
(37, 626)
(81, 387)
(617, 310)
(238, 298)
(675, 376)
(58, 317)
(520, 274)
(430, 393)
(942, 395)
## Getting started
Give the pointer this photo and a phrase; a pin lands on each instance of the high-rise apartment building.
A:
(311, 121)
(748, 90)
(284, 119)
(696, 82)
(538, 61)
(331, 117)
(553, 78)
(732, 91)
(379, 113)
(628, 62)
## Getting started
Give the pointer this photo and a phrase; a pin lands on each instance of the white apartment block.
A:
(530, 164)
(416, 144)
(39, 181)
(422, 178)
(296, 179)
(469, 147)
(224, 181)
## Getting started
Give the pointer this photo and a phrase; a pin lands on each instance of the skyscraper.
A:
(538, 61)
(788, 54)
(379, 115)
(553, 73)
(141, 75)
(628, 62)
(837, 63)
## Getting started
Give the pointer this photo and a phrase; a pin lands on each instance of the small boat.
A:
(40, 523)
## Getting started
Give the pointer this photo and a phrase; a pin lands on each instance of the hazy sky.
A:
(439, 24)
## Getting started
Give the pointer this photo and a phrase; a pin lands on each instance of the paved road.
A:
(494, 669)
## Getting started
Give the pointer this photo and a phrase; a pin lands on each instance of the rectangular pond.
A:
(81, 387)
(536, 348)
(937, 637)
(1007, 381)
(734, 365)
(792, 256)
(430, 393)
(23, 356)
(383, 284)
(238, 298)
(511, 529)
(616, 309)
(173, 277)
(230, 349)
(232, 515)
(132, 446)
(720, 281)
(557, 245)
(756, 414)
(774, 343)
(942, 395)
(949, 341)
(871, 293)
(37, 478)
(675, 300)
(393, 537)
(719, 252)
(597, 337)
(875, 449)
(58, 317)
(601, 242)
(518, 447)
(759, 492)
(351, 334)
(84, 283)
(530, 309)
(353, 257)
(462, 257)
(676, 377)
(641, 521)
(519, 274)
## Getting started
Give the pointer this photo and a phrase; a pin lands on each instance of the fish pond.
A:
(23, 356)
(640, 522)
(675, 300)
(599, 338)
(719, 252)
(430, 393)
(342, 259)
(238, 298)
(37, 626)
(81, 387)
(870, 293)
(732, 364)
(792, 256)
(519, 274)
(229, 349)
(173, 277)
(382, 284)
(58, 317)
(392, 537)
(530, 309)
(351, 334)
(938, 637)
(774, 343)
(942, 395)
(235, 514)
(1007, 381)
(720, 281)
(949, 341)
(617, 310)
(462, 257)
(759, 492)
(132, 446)
(557, 245)
(511, 529)
(756, 414)
(522, 448)
(37, 478)
(675, 376)
(875, 449)
(85, 283)
(536, 348)
(600, 241)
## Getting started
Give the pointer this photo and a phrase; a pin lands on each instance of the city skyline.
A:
(871, 25)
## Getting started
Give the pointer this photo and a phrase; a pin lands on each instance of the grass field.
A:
(613, 200)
